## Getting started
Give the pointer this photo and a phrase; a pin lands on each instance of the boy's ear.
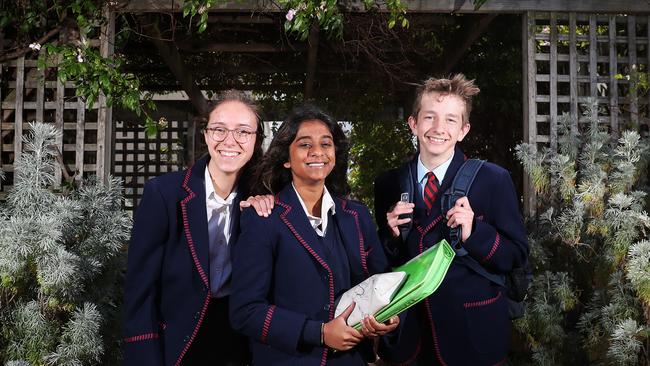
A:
(412, 124)
(464, 131)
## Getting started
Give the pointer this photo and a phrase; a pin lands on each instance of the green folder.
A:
(424, 274)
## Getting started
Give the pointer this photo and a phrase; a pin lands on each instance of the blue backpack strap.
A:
(460, 187)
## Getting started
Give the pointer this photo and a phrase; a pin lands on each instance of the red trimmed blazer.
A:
(167, 289)
(281, 280)
(466, 321)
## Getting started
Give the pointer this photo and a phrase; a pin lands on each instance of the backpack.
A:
(516, 282)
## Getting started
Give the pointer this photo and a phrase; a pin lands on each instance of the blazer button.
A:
(326, 307)
(186, 339)
(197, 315)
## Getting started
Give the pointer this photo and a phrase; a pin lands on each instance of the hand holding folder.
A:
(407, 285)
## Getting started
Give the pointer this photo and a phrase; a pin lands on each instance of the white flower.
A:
(35, 46)
(290, 14)
(80, 58)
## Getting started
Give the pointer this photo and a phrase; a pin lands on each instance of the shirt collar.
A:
(211, 195)
(326, 206)
(439, 171)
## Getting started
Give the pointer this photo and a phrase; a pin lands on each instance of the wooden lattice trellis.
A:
(568, 57)
(137, 158)
(572, 58)
(29, 94)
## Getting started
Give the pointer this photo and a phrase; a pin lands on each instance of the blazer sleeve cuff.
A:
(484, 241)
(311, 333)
(283, 329)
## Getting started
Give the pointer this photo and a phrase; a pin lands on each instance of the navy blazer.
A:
(167, 288)
(281, 281)
(466, 319)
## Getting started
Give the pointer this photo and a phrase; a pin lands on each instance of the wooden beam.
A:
(474, 30)
(418, 6)
(239, 47)
(174, 61)
(240, 19)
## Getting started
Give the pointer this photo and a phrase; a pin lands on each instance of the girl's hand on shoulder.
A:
(338, 335)
(263, 204)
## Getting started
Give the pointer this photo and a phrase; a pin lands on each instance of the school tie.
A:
(430, 191)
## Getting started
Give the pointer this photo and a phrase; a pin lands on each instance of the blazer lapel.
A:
(296, 220)
(234, 223)
(195, 219)
(353, 240)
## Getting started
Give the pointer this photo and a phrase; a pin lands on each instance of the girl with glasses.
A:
(179, 266)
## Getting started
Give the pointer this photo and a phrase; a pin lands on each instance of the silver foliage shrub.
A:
(61, 257)
(589, 302)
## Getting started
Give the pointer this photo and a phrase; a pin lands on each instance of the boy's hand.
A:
(371, 328)
(461, 214)
(262, 204)
(392, 216)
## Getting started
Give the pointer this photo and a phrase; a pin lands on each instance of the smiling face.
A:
(228, 157)
(439, 126)
(311, 154)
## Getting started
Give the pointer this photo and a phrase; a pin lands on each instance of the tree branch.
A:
(22, 51)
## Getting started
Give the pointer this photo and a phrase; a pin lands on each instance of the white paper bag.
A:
(370, 295)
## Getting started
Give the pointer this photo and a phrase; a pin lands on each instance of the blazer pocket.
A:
(488, 324)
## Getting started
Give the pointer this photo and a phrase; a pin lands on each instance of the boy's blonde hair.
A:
(457, 85)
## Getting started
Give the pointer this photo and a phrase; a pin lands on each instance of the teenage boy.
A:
(465, 322)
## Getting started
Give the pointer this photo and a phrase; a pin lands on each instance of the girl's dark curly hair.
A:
(271, 175)
(233, 95)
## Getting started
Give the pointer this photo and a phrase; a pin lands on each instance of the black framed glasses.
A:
(219, 134)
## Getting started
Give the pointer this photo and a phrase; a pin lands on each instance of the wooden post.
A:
(104, 114)
(190, 142)
(79, 143)
(593, 56)
(40, 95)
(18, 111)
(58, 123)
(631, 52)
(573, 76)
(1, 121)
(530, 107)
(613, 83)
(553, 84)
(312, 61)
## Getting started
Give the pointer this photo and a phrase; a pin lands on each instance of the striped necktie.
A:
(430, 191)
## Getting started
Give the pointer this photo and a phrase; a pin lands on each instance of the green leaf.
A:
(150, 128)
(202, 27)
(391, 24)
(90, 101)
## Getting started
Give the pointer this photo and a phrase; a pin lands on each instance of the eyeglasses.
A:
(219, 134)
